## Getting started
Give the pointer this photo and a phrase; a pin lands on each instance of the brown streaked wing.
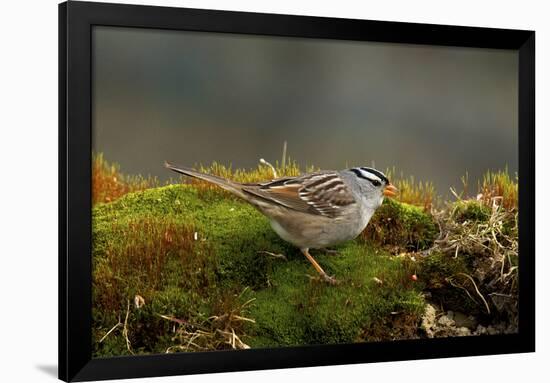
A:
(317, 193)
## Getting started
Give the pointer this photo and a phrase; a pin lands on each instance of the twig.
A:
(501, 295)
(110, 331)
(247, 302)
(242, 292)
(283, 162)
(213, 333)
(241, 343)
(477, 291)
(280, 256)
(125, 330)
(264, 162)
(453, 192)
(450, 280)
(172, 319)
(238, 317)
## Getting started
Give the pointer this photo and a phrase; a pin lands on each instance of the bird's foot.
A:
(330, 251)
(325, 278)
(274, 255)
(330, 280)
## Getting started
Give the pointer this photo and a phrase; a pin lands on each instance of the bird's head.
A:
(374, 185)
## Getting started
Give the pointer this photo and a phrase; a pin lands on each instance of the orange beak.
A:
(390, 191)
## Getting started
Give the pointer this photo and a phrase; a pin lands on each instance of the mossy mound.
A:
(193, 254)
(401, 227)
(470, 210)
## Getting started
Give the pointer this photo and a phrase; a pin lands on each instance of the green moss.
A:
(296, 311)
(437, 267)
(401, 226)
(202, 277)
(470, 210)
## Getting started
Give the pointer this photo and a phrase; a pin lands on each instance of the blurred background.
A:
(191, 97)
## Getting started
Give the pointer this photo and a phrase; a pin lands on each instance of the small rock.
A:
(444, 320)
(463, 320)
(480, 330)
(463, 331)
(428, 321)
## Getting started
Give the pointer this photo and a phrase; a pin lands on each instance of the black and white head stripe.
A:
(371, 174)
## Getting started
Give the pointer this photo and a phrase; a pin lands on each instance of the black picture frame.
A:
(76, 20)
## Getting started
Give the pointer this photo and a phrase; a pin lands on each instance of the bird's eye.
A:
(376, 183)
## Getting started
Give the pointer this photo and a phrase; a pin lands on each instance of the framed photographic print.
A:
(249, 191)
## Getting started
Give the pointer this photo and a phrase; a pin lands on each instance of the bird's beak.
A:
(390, 191)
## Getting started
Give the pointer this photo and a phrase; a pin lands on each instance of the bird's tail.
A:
(233, 187)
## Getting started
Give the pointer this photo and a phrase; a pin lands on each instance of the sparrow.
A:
(315, 210)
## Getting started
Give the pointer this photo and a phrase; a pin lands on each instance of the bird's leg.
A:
(319, 269)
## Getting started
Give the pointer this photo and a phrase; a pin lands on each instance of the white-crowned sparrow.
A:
(312, 211)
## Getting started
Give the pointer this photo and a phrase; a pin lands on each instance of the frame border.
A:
(76, 20)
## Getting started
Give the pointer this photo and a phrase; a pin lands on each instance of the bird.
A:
(315, 210)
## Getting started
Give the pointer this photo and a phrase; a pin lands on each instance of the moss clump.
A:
(401, 227)
(190, 253)
(470, 210)
(435, 269)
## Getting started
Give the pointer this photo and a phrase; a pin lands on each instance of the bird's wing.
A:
(323, 193)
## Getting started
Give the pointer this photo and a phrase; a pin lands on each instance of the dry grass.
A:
(495, 185)
(412, 191)
(218, 332)
(483, 232)
(500, 187)
(263, 172)
(108, 183)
